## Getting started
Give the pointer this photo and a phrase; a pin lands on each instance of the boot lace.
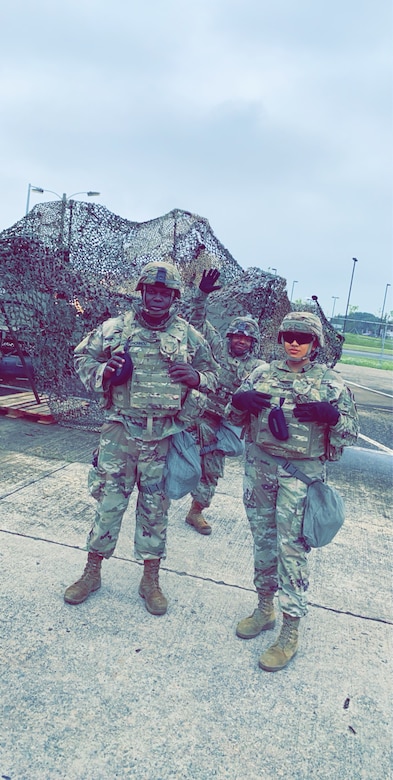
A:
(287, 635)
(265, 606)
(93, 566)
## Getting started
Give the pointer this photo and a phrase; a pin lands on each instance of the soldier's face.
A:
(240, 344)
(295, 348)
(157, 299)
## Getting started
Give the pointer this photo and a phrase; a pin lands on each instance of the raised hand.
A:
(208, 281)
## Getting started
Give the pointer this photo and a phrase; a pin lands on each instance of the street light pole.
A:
(383, 307)
(293, 287)
(64, 200)
(31, 188)
(64, 197)
(349, 293)
(63, 208)
(335, 298)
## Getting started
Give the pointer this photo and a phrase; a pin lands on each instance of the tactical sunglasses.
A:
(301, 338)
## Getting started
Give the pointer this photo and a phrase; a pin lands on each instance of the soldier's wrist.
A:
(202, 384)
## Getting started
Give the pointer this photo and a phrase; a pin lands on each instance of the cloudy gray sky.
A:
(271, 119)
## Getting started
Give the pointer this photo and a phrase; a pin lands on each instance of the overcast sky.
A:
(271, 119)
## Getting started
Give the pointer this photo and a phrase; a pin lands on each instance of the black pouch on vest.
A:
(277, 423)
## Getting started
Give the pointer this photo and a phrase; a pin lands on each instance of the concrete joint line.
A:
(33, 481)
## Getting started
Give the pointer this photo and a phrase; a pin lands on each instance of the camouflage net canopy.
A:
(67, 266)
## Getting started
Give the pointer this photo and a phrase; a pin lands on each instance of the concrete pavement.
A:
(105, 690)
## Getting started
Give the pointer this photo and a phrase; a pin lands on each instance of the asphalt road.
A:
(373, 391)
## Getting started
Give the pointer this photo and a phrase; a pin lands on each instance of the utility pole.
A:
(349, 294)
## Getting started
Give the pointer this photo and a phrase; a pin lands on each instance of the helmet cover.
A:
(302, 322)
(247, 326)
(161, 272)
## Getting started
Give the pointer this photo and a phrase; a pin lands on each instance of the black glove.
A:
(208, 281)
(251, 401)
(185, 373)
(317, 411)
(122, 374)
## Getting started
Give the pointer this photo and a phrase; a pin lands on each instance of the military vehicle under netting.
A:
(68, 266)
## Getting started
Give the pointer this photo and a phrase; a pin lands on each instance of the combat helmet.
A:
(245, 325)
(248, 327)
(302, 322)
(160, 271)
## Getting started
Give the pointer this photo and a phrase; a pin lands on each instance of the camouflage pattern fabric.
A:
(273, 500)
(124, 462)
(68, 265)
(302, 322)
(212, 463)
(315, 382)
(135, 438)
(151, 357)
(231, 372)
(274, 504)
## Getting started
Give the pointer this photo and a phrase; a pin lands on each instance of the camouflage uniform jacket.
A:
(315, 382)
(149, 404)
(231, 370)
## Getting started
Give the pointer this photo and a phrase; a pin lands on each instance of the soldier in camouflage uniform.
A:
(236, 356)
(151, 369)
(321, 418)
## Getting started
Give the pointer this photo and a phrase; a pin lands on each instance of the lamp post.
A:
(64, 200)
(349, 294)
(31, 188)
(384, 336)
(293, 287)
(64, 197)
(383, 308)
(335, 298)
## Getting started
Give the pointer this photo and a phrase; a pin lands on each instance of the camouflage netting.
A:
(67, 266)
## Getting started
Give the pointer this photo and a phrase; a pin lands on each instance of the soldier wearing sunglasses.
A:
(299, 409)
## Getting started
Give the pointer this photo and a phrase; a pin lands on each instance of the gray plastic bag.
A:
(324, 514)
(228, 439)
(183, 465)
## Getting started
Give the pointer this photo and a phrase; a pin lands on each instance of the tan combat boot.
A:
(197, 520)
(88, 583)
(149, 589)
(262, 619)
(278, 655)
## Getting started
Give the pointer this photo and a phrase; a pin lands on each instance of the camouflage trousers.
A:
(212, 463)
(274, 502)
(124, 462)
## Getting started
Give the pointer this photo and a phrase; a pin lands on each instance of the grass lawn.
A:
(386, 365)
(367, 344)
